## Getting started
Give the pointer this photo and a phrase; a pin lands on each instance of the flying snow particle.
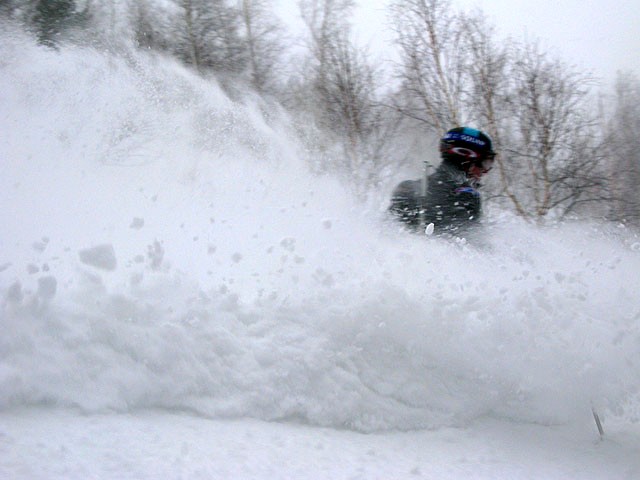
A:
(47, 287)
(429, 229)
(14, 293)
(137, 223)
(155, 253)
(102, 257)
(288, 244)
(39, 246)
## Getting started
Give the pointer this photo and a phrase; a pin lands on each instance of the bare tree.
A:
(487, 69)
(50, 20)
(263, 36)
(624, 147)
(553, 141)
(327, 23)
(346, 89)
(325, 20)
(150, 27)
(208, 38)
(9, 8)
(344, 83)
(432, 62)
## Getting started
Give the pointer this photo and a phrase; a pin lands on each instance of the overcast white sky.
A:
(600, 36)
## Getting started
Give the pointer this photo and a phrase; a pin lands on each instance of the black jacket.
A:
(452, 202)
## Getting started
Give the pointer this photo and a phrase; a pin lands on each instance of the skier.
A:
(451, 201)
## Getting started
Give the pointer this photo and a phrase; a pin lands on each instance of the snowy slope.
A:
(48, 444)
(182, 297)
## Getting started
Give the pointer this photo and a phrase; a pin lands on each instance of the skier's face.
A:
(478, 169)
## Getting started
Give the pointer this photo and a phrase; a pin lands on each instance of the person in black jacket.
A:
(451, 201)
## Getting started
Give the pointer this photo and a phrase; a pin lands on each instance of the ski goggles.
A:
(465, 152)
(485, 160)
(478, 169)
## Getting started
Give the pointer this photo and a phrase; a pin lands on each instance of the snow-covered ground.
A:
(183, 298)
(49, 444)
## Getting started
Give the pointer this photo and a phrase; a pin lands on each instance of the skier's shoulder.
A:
(444, 179)
(448, 177)
(407, 188)
(450, 173)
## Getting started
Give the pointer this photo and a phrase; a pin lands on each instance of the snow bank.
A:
(165, 246)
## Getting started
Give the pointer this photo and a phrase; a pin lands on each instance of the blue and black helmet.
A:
(464, 145)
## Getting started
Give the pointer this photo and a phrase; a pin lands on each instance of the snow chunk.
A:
(155, 253)
(14, 293)
(47, 287)
(40, 246)
(102, 257)
(137, 223)
(429, 229)
(288, 243)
